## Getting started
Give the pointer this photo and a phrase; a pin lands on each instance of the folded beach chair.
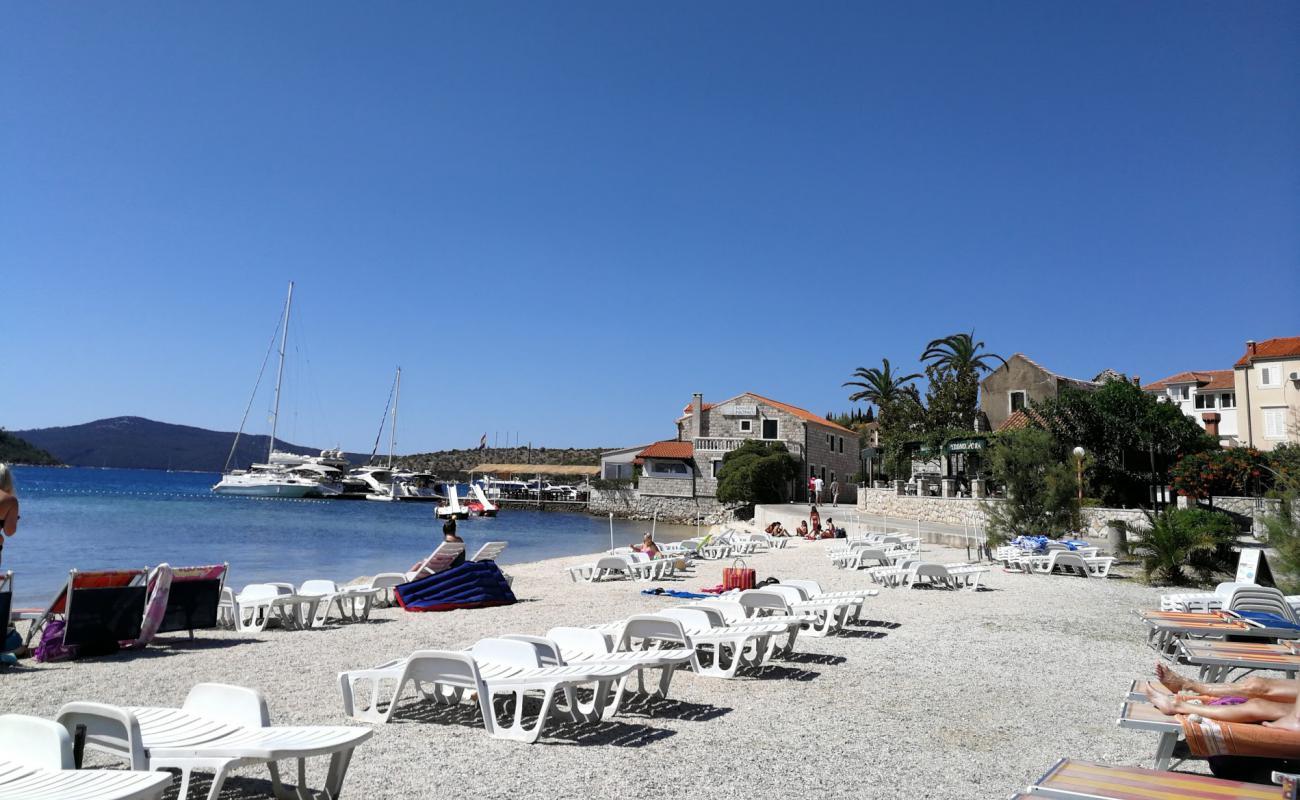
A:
(490, 551)
(36, 763)
(1266, 599)
(492, 667)
(1199, 601)
(440, 559)
(1059, 561)
(98, 611)
(219, 728)
(1074, 780)
(182, 599)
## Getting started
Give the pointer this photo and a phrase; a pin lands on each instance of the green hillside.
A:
(19, 451)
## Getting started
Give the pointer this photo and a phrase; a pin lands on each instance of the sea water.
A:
(88, 518)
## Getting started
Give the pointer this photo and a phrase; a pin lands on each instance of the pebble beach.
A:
(942, 694)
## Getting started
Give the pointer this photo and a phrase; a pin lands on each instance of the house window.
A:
(747, 426)
(1185, 392)
(715, 467)
(1204, 400)
(841, 444)
(1228, 400)
(656, 468)
(1017, 401)
(812, 471)
(1270, 376)
(1275, 423)
(769, 429)
(823, 474)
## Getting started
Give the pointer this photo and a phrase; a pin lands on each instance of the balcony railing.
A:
(710, 444)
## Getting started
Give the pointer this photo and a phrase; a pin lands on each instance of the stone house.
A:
(1207, 396)
(1267, 383)
(1019, 383)
(688, 466)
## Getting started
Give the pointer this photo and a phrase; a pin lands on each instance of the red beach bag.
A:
(737, 577)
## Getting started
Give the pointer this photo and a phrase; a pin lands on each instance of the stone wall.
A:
(666, 487)
(631, 504)
(1254, 508)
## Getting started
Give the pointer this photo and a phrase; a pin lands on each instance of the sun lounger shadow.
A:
(669, 708)
(776, 672)
(820, 659)
(558, 732)
(879, 623)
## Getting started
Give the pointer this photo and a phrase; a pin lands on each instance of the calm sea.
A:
(98, 518)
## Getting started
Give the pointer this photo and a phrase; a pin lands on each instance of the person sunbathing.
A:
(1233, 705)
(802, 530)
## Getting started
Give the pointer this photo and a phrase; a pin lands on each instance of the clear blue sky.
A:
(564, 218)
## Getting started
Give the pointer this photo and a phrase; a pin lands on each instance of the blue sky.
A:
(564, 218)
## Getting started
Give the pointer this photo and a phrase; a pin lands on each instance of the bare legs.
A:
(1253, 710)
(1277, 690)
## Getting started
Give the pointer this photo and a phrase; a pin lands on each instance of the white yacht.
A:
(271, 479)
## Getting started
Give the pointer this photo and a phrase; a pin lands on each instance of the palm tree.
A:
(881, 387)
(961, 354)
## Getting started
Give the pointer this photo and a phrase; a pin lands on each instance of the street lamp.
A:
(1078, 461)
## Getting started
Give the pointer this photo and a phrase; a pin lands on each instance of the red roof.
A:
(801, 413)
(1284, 347)
(1204, 379)
(668, 449)
(1021, 419)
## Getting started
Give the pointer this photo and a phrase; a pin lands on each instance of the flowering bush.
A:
(1224, 472)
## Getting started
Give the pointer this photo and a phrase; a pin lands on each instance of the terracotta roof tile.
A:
(1021, 419)
(1284, 347)
(796, 411)
(1204, 379)
(668, 449)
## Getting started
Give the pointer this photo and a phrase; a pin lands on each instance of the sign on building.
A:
(740, 410)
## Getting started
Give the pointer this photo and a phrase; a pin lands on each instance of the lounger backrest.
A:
(35, 742)
(104, 607)
(689, 617)
(1227, 588)
(619, 563)
(490, 551)
(579, 640)
(1261, 598)
(193, 598)
(792, 594)
(318, 587)
(935, 572)
(547, 651)
(233, 705)
(258, 591)
(444, 667)
(730, 611)
(761, 600)
(716, 614)
(1072, 562)
(506, 651)
(659, 627)
(810, 588)
(387, 580)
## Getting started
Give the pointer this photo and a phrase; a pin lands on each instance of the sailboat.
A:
(382, 484)
(267, 480)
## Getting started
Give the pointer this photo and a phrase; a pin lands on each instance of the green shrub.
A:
(756, 472)
(1180, 541)
(1041, 491)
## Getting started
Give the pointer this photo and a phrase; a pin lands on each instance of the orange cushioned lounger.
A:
(1208, 737)
(1075, 779)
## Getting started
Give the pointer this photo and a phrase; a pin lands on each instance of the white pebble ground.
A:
(945, 695)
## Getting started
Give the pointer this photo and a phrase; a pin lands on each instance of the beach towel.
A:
(474, 584)
(1208, 737)
(1268, 620)
(674, 593)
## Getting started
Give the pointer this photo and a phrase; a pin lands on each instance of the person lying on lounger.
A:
(775, 529)
(1271, 701)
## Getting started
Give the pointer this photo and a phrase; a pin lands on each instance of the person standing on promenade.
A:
(835, 494)
(8, 506)
(819, 485)
(812, 490)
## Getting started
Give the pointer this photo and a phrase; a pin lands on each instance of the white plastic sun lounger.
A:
(729, 611)
(384, 583)
(352, 602)
(490, 551)
(820, 618)
(36, 763)
(492, 667)
(812, 591)
(219, 728)
(586, 647)
(440, 559)
(717, 651)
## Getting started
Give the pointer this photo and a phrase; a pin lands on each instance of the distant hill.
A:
(454, 463)
(14, 450)
(139, 443)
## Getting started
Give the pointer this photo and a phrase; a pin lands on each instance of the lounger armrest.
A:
(106, 727)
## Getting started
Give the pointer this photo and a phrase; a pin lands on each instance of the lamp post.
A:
(1078, 462)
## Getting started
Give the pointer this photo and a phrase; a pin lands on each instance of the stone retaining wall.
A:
(959, 511)
(631, 504)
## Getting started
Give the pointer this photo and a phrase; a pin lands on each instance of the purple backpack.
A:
(52, 647)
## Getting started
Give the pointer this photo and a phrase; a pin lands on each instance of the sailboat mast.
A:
(392, 432)
(279, 374)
